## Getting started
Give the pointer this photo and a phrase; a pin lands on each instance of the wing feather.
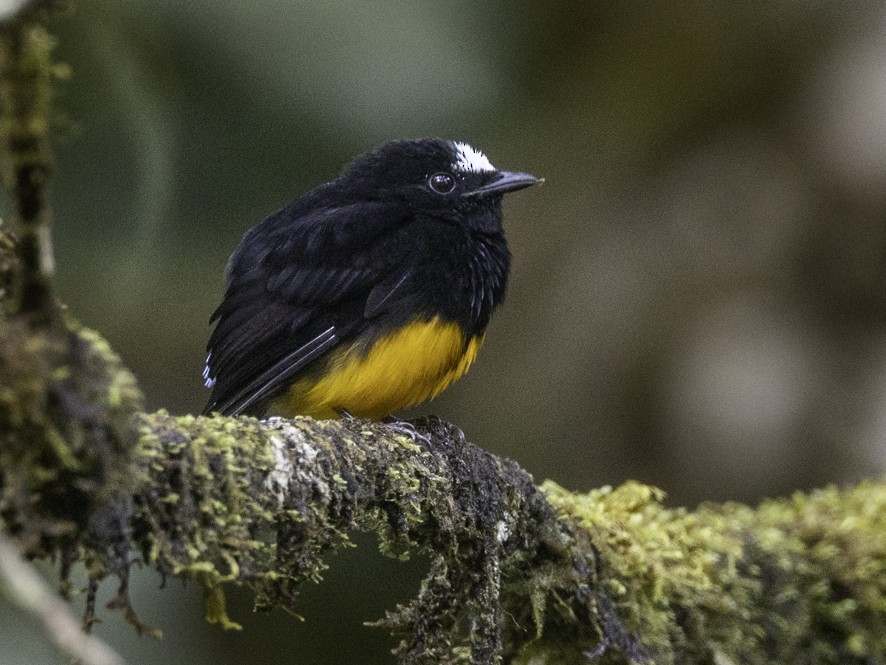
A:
(266, 383)
(297, 287)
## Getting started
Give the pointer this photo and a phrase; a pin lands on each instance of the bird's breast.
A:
(464, 279)
(401, 369)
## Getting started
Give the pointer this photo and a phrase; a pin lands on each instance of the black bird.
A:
(369, 294)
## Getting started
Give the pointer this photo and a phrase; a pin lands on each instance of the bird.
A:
(369, 294)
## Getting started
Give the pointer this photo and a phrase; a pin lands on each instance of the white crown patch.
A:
(470, 160)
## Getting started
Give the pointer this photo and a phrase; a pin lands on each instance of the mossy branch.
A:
(517, 572)
(612, 573)
(262, 503)
(26, 73)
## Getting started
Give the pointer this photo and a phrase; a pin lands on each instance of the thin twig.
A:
(28, 590)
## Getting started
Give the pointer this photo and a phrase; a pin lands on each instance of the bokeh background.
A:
(698, 297)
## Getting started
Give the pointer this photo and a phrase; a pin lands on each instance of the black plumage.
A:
(382, 246)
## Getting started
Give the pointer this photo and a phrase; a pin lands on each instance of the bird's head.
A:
(448, 179)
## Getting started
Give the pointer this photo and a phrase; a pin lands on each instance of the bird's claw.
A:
(407, 429)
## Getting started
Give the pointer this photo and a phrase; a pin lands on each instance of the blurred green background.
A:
(698, 297)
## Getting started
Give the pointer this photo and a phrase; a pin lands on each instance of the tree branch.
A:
(26, 75)
(517, 572)
(263, 502)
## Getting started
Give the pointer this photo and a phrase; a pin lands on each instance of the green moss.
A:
(216, 611)
(65, 442)
(795, 580)
(216, 513)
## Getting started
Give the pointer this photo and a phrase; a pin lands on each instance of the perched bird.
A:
(369, 294)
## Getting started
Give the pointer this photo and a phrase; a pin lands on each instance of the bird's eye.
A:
(442, 183)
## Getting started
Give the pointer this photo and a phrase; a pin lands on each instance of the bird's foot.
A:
(406, 428)
(442, 431)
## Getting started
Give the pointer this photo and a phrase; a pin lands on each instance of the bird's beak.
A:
(506, 181)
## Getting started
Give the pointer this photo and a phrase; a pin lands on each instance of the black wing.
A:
(297, 287)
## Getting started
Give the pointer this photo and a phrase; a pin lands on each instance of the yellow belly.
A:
(405, 368)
